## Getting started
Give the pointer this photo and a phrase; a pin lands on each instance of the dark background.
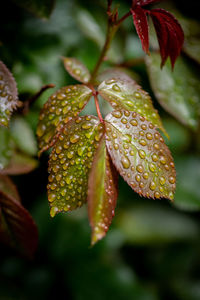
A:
(152, 250)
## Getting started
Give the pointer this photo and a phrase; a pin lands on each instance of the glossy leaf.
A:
(102, 193)
(130, 96)
(141, 25)
(169, 33)
(178, 91)
(76, 69)
(42, 9)
(118, 73)
(8, 95)
(70, 162)
(19, 163)
(61, 107)
(140, 155)
(17, 228)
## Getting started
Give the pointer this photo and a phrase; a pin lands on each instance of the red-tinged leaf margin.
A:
(102, 192)
(17, 228)
(141, 25)
(76, 69)
(169, 33)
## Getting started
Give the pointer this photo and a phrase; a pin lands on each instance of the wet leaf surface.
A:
(61, 107)
(138, 151)
(70, 163)
(102, 193)
(129, 95)
(76, 69)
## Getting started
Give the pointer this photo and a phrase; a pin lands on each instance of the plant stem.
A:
(98, 108)
(112, 28)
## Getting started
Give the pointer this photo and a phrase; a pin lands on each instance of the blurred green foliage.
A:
(152, 251)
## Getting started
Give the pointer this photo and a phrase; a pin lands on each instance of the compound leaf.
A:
(8, 95)
(123, 94)
(61, 107)
(70, 162)
(17, 228)
(140, 155)
(178, 91)
(76, 69)
(102, 193)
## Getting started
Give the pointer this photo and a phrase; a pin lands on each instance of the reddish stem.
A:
(98, 108)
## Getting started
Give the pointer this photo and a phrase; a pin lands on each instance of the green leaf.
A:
(156, 225)
(123, 94)
(70, 162)
(102, 193)
(138, 152)
(26, 142)
(61, 107)
(6, 147)
(40, 8)
(17, 228)
(178, 91)
(8, 95)
(117, 73)
(20, 163)
(187, 195)
(76, 69)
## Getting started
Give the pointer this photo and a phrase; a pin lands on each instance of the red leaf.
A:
(141, 25)
(169, 33)
(17, 228)
(146, 2)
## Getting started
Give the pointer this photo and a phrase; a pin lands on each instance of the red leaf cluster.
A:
(169, 32)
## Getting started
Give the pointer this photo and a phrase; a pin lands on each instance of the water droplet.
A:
(172, 179)
(51, 197)
(144, 126)
(162, 180)
(154, 157)
(137, 95)
(124, 120)
(116, 88)
(142, 153)
(156, 146)
(149, 136)
(142, 142)
(70, 154)
(116, 146)
(145, 175)
(163, 160)
(157, 195)
(125, 162)
(74, 138)
(117, 114)
(138, 178)
(133, 122)
(53, 211)
(139, 168)
(152, 186)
